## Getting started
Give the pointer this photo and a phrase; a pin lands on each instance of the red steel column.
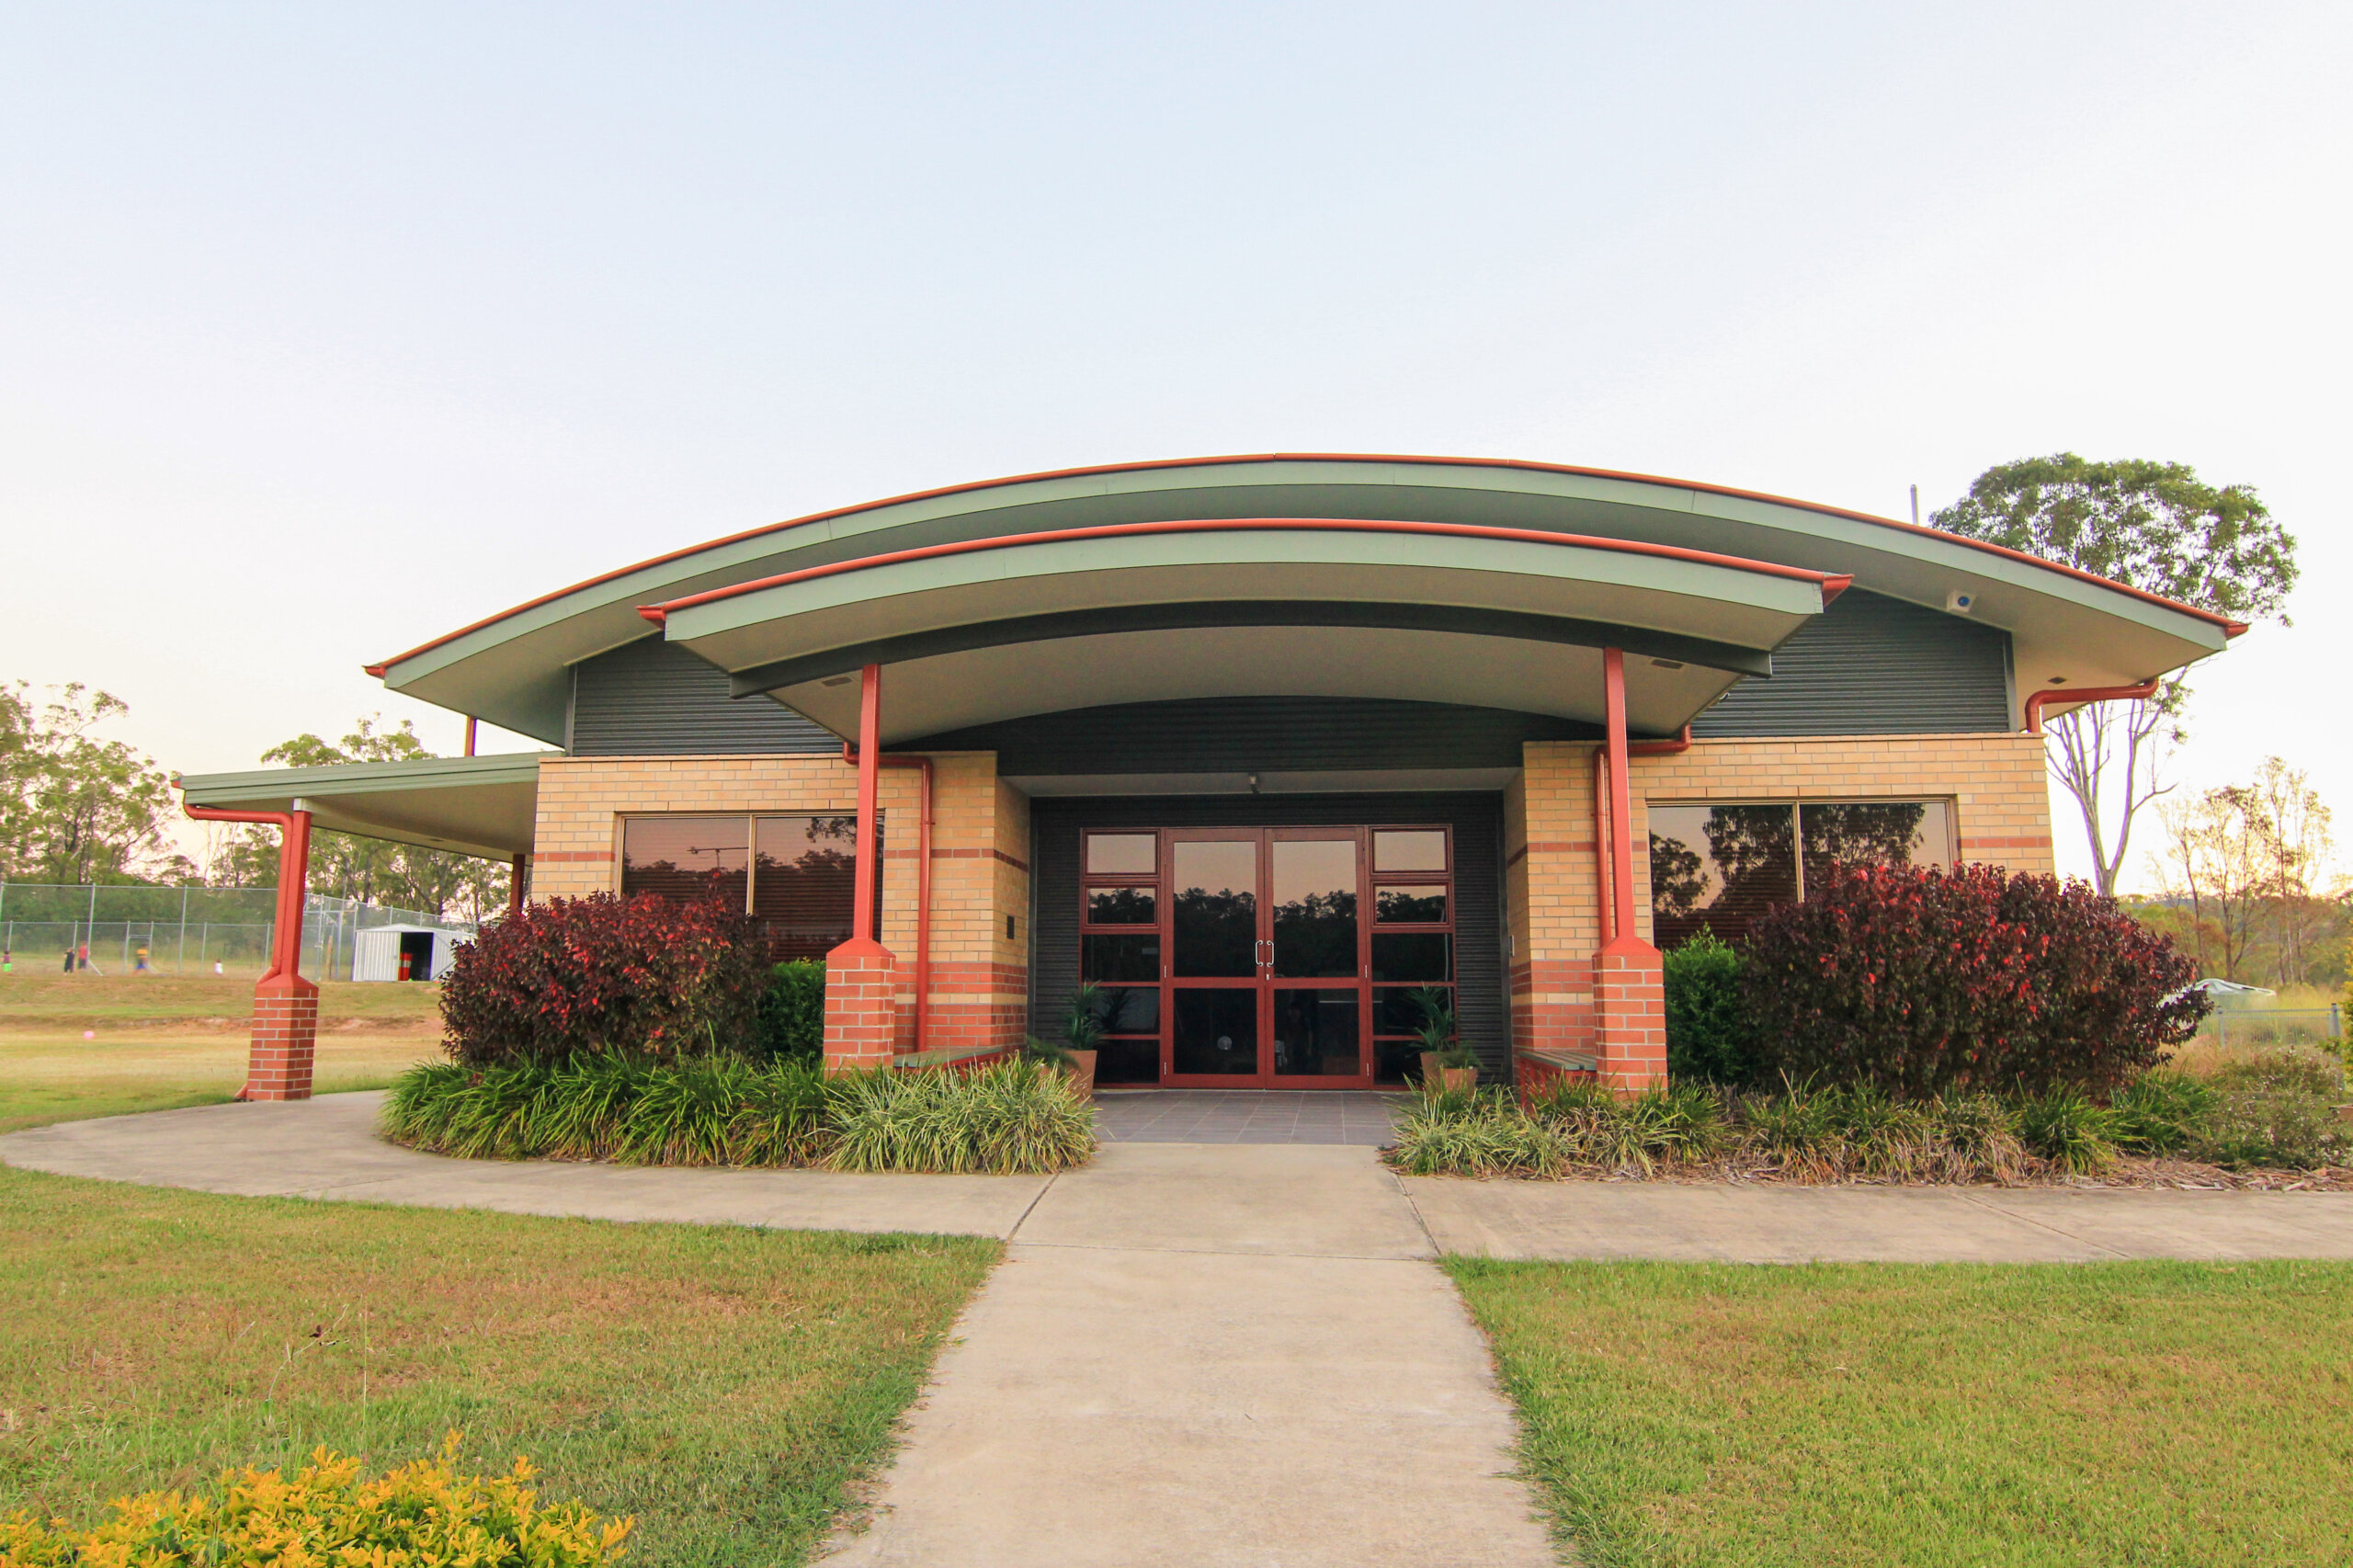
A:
(1621, 848)
(1629, 983)
(861, 979)
(869, 800)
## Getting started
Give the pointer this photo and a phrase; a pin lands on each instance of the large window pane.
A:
(1717, 867)
(1315, 907)
(1119, 855)
(1217, 1031)
(1410, 907)
(1316, 1033)
(1217, 906)
(804, 883)
(1119, 958)
(1413, 955)
(685, 859)
(1874, 833)
(1121, 906)
(1409, 849)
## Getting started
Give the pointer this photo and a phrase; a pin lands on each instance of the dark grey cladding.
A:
(653, 698)
(1271, 735)
(1873, 665)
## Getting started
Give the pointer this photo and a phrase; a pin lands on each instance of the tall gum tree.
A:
(2153, 526)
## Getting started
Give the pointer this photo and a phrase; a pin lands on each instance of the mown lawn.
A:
(2128, 1412)
(726, 1386)
(49, 1075)
(162, 1042)
(37, 997)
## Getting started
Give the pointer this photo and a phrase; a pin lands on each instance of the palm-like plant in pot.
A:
(1083, 1033)
(1446, 1060)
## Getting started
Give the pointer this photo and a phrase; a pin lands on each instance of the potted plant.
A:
(1084, 1033)
(1446, 1061)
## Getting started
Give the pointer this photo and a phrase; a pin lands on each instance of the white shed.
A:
(376, 952)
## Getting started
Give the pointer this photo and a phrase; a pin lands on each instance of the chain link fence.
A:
(184, 930)
(2245, 1026)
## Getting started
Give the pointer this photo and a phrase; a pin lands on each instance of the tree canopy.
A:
(373, 870)
(2153, 526)
(74, 808)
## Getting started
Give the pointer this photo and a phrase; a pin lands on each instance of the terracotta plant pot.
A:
(1082, 1075)
(1449, 1078)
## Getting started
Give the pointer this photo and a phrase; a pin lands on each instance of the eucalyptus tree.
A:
(2153, 526)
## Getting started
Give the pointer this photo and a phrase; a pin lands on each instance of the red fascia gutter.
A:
(923, 877)
(2036, 701)
(2230, 628)
(293, 875)
(1832, 583)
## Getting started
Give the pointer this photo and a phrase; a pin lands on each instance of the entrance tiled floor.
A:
(1245, 1116)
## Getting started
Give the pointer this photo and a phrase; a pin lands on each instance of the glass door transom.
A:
(1286, 956)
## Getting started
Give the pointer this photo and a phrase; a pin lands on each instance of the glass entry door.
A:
(1263, 957)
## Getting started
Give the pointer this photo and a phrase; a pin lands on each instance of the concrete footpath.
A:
(324, 1148)
(1210, 1355)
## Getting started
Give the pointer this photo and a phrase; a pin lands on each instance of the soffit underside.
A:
(933, 696)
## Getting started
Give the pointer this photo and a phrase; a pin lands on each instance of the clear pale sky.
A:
(324, 330)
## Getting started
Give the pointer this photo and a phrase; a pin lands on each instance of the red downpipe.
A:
(472, 724)
(2036, 700)
(515, 878)
(922, 880)
(293, 878)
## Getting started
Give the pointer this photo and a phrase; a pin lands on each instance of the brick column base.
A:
(861, 1006)
(286, 1037)
(1630, 1014)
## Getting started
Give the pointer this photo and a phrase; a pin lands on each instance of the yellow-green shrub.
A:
(424, 1515)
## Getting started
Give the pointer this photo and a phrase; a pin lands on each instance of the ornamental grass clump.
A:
(1011, 1118)
(726, 1110)
(424, 1515)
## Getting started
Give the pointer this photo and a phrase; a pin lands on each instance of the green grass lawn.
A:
(162, 1043)
(2128, 1412)
(726, 1386)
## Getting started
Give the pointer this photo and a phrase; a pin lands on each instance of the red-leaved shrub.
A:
(1922, 980)
(604, 976)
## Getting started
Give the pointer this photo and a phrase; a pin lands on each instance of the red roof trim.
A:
(2230, 628)
(1831, 583)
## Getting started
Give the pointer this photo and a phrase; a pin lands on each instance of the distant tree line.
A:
(76, 808)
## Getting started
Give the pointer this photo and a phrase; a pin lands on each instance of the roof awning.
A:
(979, 630)
(475, 805)
(514, 668)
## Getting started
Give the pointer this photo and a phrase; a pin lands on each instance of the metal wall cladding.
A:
(1259, 734)
(1481, 1001)
(1873, 665)
(652, 698)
